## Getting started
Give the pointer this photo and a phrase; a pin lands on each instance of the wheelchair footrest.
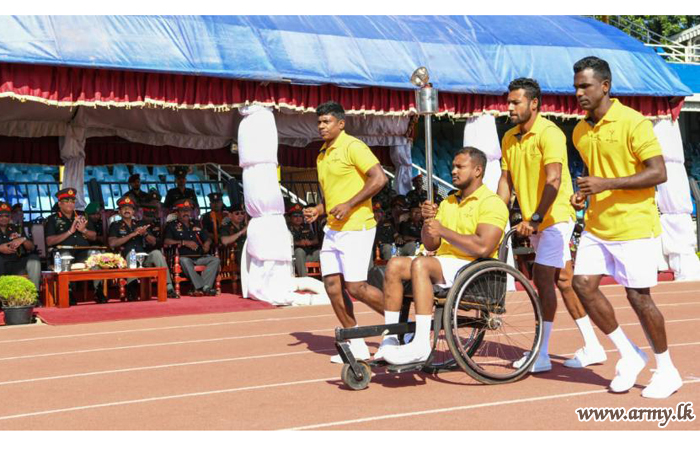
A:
(405, 367)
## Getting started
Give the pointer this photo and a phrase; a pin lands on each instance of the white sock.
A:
(663, 361)
(357, 341)
(586, 328)
(544, 346)
(624, 345)
(421, 340)
(390, 318)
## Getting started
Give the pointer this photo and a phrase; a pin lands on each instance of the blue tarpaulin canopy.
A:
(689, 75)
(464, 54)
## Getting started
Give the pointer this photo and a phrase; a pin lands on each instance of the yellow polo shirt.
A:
(482, 206)
(525, 156)
(342, 170)
(616, 147)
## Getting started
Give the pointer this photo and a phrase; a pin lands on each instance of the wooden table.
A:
(56, 284)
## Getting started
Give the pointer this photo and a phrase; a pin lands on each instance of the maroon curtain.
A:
(101, 151)
(18, 150)
(69, 86)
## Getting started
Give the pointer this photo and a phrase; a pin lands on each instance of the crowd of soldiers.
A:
(138, 227)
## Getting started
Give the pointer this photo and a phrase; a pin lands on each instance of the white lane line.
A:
(272, 319)
(231, 338)
(456, 408)
(161, 366)
(174, 327)
(157, 344)
(167, 397)
(297, 383)
(239, 358)
(14, 341)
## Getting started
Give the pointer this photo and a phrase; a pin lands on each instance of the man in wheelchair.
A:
(468, 225)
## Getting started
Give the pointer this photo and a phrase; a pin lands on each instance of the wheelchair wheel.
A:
(348, 376)
(441, 358)
(488, 327)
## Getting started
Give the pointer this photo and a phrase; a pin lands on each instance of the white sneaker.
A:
(390, 341)
(663, 383)
(586, 356)
(626, 371)
(406, 354)
(542, 363)
(359, 350)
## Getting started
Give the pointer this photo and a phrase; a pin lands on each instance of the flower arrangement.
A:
(105, 261)
(17, 291)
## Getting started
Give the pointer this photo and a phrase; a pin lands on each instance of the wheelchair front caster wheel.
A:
(352, 381)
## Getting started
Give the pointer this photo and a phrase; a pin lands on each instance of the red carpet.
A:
(116, 310)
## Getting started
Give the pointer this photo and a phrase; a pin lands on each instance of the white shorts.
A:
(633, 264)
(450, 267)
(552, 245)
(347, 253)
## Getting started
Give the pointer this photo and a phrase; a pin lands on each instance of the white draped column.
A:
(268, 262)
(73, 155)
(480, 132)
(678, 236)
(401, 157)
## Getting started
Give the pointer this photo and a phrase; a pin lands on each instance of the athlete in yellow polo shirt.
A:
(535, 165)
(624, 164)
(349, 175)
(468, 225)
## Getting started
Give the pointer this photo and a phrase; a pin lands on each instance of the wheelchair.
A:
(489, 319)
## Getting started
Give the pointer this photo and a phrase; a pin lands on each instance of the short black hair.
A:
(600, 67)
(475, 154)
(531, 88)
(333, 108)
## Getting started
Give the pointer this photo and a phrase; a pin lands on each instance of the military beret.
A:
(5, 208)
(134, 177)
(184, 204)
(215, 197)
(126, 201)
(66, 193)
(235, 207)
(92, 208)
(153, 195)
(180, 172)
(295, 209)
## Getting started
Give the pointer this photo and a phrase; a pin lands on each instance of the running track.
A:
(269, 369)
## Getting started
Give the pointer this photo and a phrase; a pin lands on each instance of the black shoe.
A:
(100, 297)
(172, 294)
(210, 292)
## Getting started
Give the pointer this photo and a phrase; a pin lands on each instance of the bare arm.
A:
(653, 174)
(481, 244)
(505, 187)
(552, 172)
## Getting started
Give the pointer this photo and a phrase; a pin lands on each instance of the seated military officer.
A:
(386, 234)
(234, 230)
(127, 234)
(194, 243)
(410, 231)
(68, 228)
(180, 192)
(15, 258)
(306, 243)
(150, 210)
(93, 211)
(211, 221)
